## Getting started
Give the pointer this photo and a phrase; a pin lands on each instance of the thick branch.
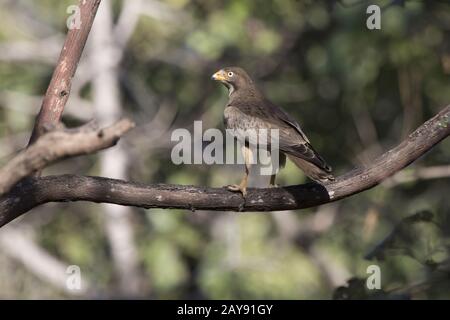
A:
(59, 88)
(36, 191)
(59, 144)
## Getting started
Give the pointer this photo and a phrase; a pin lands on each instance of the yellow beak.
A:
(219, 76)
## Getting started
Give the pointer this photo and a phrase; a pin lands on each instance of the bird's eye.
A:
(230, 74)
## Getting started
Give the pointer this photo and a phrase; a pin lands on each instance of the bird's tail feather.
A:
(312, 171)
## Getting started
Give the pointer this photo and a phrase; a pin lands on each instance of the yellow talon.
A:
(238, 188)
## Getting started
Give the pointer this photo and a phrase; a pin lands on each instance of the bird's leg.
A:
(272, 183)
(242, 187)
(281, 164)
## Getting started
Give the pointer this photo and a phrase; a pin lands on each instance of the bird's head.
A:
(234, 78)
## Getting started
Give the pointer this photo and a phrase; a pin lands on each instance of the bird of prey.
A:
(247, 108)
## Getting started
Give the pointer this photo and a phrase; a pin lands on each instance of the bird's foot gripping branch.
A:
(37, 191)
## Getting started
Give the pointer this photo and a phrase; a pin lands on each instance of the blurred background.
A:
(356, 92)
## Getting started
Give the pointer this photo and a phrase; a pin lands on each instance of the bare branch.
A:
(419, 142)
(59, 144)
(37, 191)
(59, 88)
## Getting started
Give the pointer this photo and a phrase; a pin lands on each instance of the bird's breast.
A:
(244, 127)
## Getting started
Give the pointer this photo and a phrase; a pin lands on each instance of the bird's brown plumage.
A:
(247, 108)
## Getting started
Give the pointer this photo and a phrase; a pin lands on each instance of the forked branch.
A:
(36, 191)
(59, 144)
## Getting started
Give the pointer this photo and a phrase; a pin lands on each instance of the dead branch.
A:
(59, 88)
(59, 144)
(37, 191)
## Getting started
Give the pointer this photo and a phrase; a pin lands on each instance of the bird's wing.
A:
(302, 149)
(292, 140)
(306, 151)
(285, 117)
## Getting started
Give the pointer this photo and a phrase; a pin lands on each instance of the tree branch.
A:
(59, 144)
(36, 191)
(59, 88)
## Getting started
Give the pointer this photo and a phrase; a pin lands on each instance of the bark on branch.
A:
(59, 144)
(58, 90)
(36, 191)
